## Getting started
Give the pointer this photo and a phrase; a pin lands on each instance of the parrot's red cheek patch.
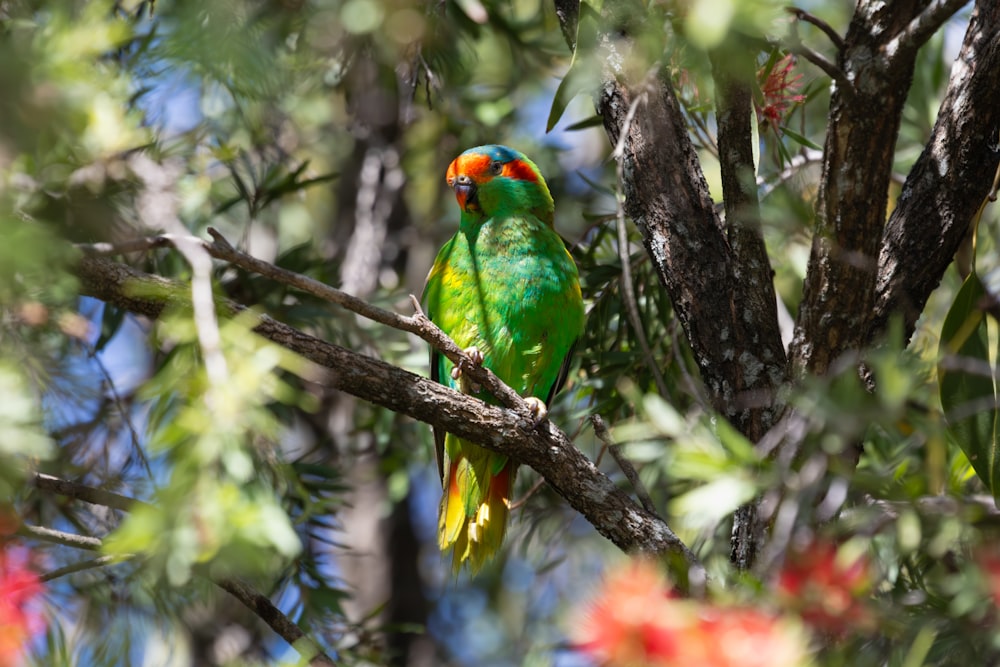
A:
(520, 171)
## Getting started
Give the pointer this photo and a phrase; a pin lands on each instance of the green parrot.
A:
(506, 289)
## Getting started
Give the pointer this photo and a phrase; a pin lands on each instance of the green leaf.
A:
(968, 393)
(798, 138)
(576, 79)
(705, 506)
(603, 189)
(592, 121)
(21, 432)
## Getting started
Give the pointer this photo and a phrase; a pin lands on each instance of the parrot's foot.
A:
(472, 356)
(538, 409)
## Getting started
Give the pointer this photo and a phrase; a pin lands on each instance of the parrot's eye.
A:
(496, 167)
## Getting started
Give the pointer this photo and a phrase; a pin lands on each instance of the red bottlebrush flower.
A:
(779, 90)
(625, 624)
(745, 637)
(635, 621)
(20, 604)
(989, 563)
(829, 587)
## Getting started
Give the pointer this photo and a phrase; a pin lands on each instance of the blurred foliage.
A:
(315, 134)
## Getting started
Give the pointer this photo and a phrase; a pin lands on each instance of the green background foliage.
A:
(315, 135)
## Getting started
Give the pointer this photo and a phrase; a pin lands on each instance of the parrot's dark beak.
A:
(465, 193)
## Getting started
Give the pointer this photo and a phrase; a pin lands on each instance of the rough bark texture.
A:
(544, 447)
(838, 298)
(567, 12)
(719, 278)
(948, 182)
(733, 69)
(737, 346)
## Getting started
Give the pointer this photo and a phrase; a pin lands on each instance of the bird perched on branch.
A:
(505, 289)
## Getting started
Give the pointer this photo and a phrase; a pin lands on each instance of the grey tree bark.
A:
(862, 270)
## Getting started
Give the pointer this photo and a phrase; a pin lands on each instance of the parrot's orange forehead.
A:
(477, 167)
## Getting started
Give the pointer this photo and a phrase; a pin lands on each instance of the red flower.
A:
(828, 587)
(20, 608)
(989, 563)
(625, 623)
(636, 622)
(778, 90)
(745, 637)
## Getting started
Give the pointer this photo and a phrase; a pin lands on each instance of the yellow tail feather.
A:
(474, 530)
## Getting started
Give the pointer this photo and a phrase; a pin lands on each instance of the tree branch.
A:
(627, 288)
(839, 290)
(733, 69)
(59, 537)
(827, 29)
(602, 433)
(798, 48)
(221, 249)
(798, 162)
(949, 180)
(89, 494)
(925, 24)
(514, 433)
(830, 69)
(265, 610)
(80, 566)
(688, 245)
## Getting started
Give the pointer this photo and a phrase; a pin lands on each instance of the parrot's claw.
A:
(538, 409)
(472, 356)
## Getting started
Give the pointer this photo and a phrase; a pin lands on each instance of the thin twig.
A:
(627, 289)
(539, 483)
(265, 610)
(820, 61)
(59, 537)
(807, 157)
(701, 130)
(120, 404)
(88, 494)
(159, 200)
(91, 564)
(601, 431)
(827, 29)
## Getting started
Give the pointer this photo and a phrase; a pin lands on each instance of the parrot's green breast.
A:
(510, 288)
